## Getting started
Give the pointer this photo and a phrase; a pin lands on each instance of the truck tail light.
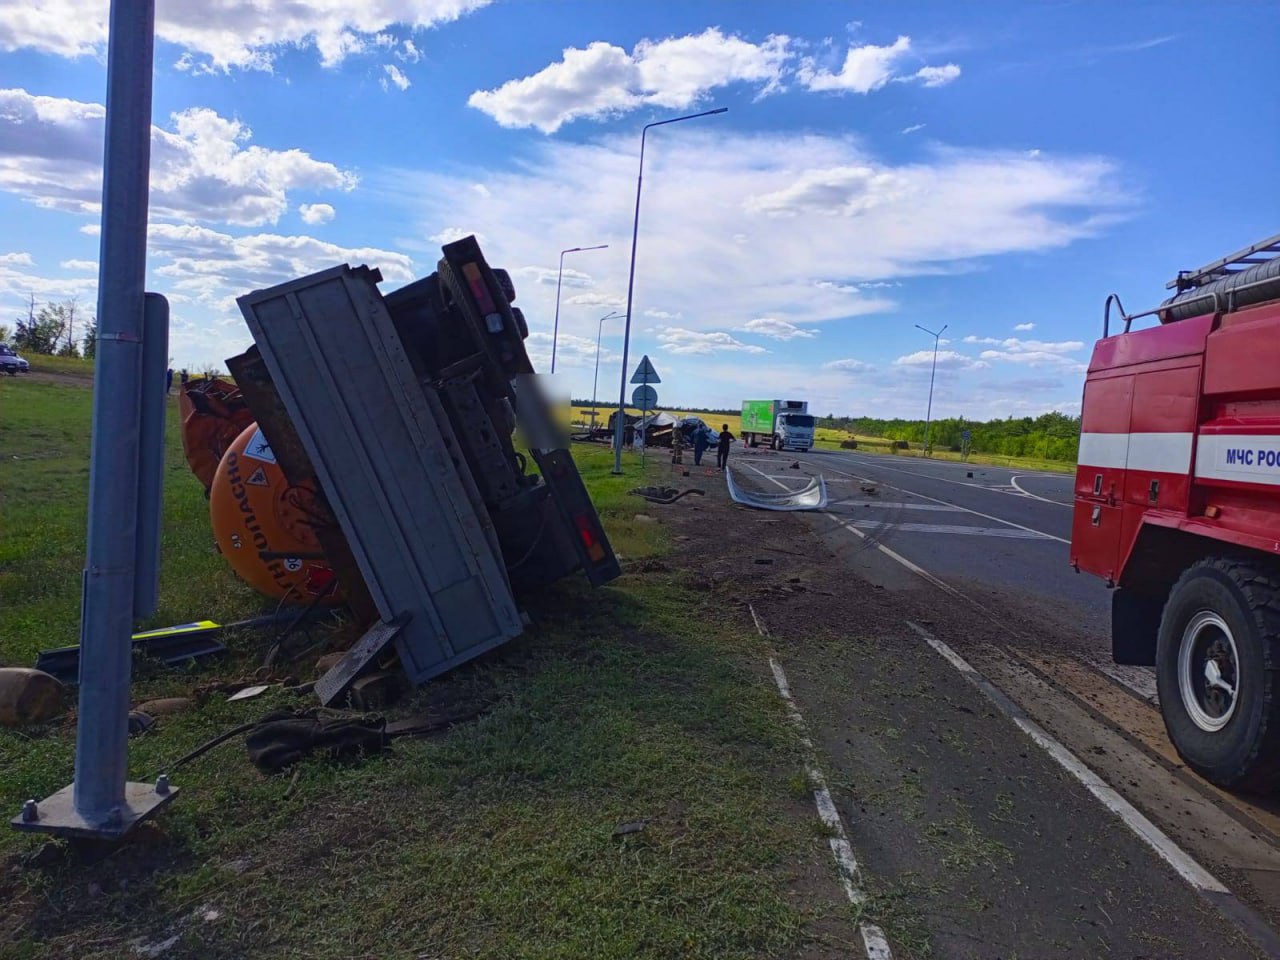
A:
(595, 550)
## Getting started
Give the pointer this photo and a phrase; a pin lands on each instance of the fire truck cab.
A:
(1177, 507)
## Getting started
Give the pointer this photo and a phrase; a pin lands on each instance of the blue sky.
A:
(996, 167)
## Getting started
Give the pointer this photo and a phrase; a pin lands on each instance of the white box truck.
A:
(779, 424)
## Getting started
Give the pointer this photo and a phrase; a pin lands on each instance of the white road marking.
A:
(1013, 481)
(949, 528)
(929, 476)
(889, 505)
(985, 516)
(873, 937)
(1182, 862)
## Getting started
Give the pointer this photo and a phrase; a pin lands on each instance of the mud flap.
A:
(1135, 623)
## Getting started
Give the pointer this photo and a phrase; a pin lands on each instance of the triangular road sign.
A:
(645, 372)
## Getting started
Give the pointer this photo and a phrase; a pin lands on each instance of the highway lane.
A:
(988, 553)
(977, 525)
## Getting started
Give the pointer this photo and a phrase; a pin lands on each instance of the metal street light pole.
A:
(929, 411)
(595, 381)
(555, 333)
(631, 283)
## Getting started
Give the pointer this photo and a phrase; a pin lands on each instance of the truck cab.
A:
(1177, 507)
(779, 424)
(794, 431)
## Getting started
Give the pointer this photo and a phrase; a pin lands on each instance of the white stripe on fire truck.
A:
(1246, 458)
(1152, 452)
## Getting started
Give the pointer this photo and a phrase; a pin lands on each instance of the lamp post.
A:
(929, 410)
(555, 333)
(595, 381)
(631, 282)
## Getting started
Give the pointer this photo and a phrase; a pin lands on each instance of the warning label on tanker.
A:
(258, 478)
(259, 449)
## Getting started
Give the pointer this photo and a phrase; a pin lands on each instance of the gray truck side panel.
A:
(381, 451)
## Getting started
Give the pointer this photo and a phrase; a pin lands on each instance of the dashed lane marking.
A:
(985, 516)
(873, 938)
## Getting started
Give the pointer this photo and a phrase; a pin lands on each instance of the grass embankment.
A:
(826, 438)
(631, 703)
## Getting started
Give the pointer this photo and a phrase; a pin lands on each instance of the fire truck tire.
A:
(1218, 674)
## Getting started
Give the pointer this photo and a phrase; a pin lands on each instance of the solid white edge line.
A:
(987, 516)
(1013, 481)
(873, 938)
(1181, 862)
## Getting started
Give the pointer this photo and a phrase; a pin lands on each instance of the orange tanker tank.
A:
(265, 527)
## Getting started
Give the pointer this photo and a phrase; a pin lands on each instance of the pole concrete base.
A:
(57, 813)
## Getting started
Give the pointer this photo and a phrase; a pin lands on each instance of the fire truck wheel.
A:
(1218, 677)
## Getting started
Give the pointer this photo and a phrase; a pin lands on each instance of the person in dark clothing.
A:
(168, 381)
(722, 451)
(700, 444)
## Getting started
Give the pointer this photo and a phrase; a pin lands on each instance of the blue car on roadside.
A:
(10, 362)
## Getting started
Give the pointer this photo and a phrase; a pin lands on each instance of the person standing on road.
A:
(700, 444)
(722, 451)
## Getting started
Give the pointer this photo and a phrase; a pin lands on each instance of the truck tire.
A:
(1218, 674)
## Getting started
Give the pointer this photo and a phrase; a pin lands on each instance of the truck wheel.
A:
(1217, 673)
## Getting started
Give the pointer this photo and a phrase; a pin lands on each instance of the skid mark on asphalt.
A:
(873, 938)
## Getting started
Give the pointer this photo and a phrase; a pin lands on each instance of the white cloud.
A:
(1016, 345)
(937, 76)
(820, 254)
(913, 128)
(408, 52)
(247, 34)
(571, 351)
(88, 265)
(315, 213)
(19, 259)
(608, 300)
(848, 365)
(679, 340)
(451, 235)
(1024, 327)
(396, 76)
(776, 329)
(213, 268)
(946, 359)
(202, 169)
(1032, 353)
(604, 80)
(869, 67)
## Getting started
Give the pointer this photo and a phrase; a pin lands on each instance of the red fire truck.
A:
(1177, 506)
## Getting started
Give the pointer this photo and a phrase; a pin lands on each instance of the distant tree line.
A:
(1050, 436)
(53, 329)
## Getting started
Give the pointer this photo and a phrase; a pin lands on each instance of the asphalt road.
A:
(987, 528)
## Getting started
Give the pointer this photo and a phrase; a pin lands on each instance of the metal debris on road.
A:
(811, 497)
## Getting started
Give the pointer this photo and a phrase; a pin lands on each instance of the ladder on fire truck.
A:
(1243, 278)
(1261, 252)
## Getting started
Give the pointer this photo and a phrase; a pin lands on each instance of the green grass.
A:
(69, 366)
(631, 703)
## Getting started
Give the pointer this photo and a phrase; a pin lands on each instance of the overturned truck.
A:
(388, 423)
